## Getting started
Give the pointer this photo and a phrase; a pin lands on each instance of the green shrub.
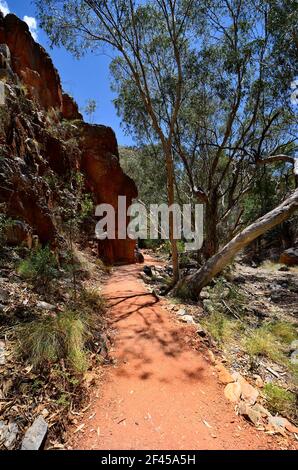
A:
(48, 341)
(262, 342)
(87, 207)
(40, 268)
(283, 330)
(220, 327)
(280, 400)
(270, 340)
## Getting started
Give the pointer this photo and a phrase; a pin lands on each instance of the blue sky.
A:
(84, 79)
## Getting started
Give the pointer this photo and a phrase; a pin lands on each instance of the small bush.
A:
(280, 400)
(220, 327)
(261, 342)
(92, 300)
(40, 268)
(48, 341)
(87, 207)
(285, 331)
(270, 341)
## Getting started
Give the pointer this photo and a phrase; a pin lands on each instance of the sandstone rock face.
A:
(43, 140)
(106, 179)
(31, 62)
(70, 109)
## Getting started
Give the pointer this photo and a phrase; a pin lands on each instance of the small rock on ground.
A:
(249, 413)
(45, 305)
(248, 393)
(8, 434)
(224, 375)
(2, 353)
(35, 435)
(181, 312)
(187, 319)
(233, 392)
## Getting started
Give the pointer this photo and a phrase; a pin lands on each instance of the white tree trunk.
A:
(192, 285)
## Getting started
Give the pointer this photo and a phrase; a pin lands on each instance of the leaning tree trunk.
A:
(192, 285)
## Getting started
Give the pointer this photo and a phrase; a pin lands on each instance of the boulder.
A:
(139, 257)
(248, 393)
(252, 415)
(224, 375)
(259, 382)
(290, 427)
(200, 330)
(289, 257)
(35, 435)
(277, 424)
(233, 392)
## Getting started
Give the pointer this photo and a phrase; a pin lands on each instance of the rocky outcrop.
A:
(31, 63)
(106, 179)
(44, 143)
(70, 109)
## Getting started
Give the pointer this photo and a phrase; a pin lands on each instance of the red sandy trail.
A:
(161, 389)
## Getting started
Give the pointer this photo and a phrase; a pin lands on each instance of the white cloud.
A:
(32, 23)
(4, 7)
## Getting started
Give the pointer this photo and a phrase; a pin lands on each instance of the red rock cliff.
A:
(32, 153)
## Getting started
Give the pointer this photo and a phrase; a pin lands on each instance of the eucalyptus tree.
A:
(239, 116)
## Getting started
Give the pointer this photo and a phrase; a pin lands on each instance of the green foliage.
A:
(222, 329)
(146, 167)
(271, 340)
(65, 336)
(87, 207)
(261, 342)
(280, 400)
(284, 331)
(52, 339)
(90, 109)
(40, 267)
